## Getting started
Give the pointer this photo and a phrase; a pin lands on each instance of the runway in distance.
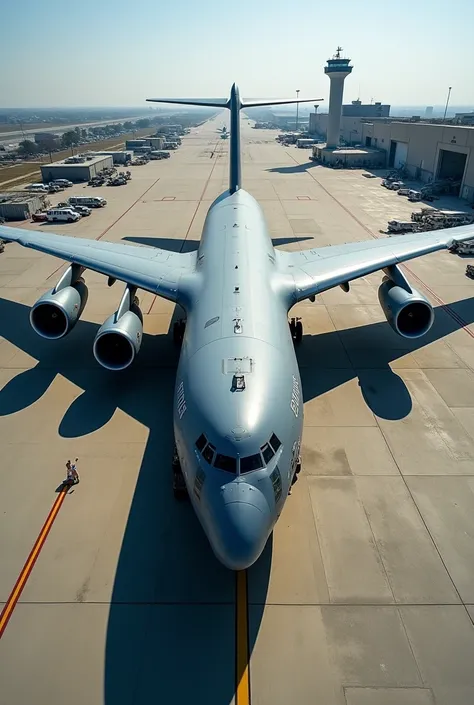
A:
(238, 405)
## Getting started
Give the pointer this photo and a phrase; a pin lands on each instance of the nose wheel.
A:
(296, 329)
(178, 331)
(179, 486)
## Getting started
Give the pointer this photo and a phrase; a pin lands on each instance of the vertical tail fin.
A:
(234, 104)
(235, 170)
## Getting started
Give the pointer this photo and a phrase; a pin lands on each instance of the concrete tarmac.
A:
(364, 594)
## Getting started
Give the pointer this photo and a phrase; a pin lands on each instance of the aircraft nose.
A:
(244, 529)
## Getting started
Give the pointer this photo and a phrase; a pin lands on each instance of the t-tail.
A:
(235, 105)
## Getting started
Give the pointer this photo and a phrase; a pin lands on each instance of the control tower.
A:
(337, 69)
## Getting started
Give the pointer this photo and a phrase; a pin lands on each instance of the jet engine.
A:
(406, 310)
(56, 313)
(120, 337)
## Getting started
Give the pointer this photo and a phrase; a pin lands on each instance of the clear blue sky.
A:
(59, 53)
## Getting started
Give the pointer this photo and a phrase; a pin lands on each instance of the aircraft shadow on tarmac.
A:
(293, 169)
(179, 245)
(171, 627)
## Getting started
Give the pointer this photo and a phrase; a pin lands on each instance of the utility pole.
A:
(447, 103)
(297, 106)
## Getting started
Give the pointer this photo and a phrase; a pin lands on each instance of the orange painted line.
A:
(28, 567)
(242, 685)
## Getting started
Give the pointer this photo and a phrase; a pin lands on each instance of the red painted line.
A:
(114, 223)
(30, 562)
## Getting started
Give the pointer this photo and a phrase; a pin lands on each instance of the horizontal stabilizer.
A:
(204, 102)
(286, 101)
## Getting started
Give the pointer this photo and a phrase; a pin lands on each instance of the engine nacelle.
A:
(56, 313)
(409, 314)
(119, 339)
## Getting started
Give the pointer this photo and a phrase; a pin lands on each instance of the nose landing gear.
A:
(296, 329)
(178, 331)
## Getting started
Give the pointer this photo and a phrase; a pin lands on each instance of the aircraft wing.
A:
(155, 270)
(317, 270)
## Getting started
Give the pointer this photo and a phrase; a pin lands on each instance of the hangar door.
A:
(451, 165)
(401, 153)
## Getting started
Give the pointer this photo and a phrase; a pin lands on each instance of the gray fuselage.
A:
(236, 335)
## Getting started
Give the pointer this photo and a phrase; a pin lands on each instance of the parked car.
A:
(39, 188)
(82, 210)
(63, 182)
(89, 201)
(40, 217)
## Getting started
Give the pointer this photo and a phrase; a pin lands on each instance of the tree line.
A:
(72, 138)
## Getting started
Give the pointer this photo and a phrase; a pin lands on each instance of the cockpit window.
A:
(208, 453)
(225, 462)
(267, 453)
(201, 442)
(251, 462)
(275, 442)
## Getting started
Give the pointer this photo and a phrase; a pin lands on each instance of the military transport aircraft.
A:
(238, 407)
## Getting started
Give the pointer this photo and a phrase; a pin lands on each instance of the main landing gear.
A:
(296, 473)
(178, 331)
(179, 486)
(296, 329)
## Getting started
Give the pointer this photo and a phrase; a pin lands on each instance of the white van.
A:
(41, 188)
(62, 214)
(89, 201)
(62, 182)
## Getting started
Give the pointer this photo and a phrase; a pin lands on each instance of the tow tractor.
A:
(296, 329)
(179, 486)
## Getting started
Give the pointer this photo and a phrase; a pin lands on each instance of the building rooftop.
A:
(340, 151)
(106, 152)
(88, 161)
(17, 196)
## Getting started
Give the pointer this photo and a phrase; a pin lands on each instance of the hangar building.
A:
(80, 168)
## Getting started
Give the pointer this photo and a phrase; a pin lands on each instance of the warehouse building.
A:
(20, 205)
(427, 151)
(145, 144)
(135, 144)
(123, 157)
(80, 168)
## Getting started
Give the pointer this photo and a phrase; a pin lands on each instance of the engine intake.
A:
(56, 313)
(119, 339)
(409, 314)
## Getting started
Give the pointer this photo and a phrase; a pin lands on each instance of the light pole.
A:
(447, 103)
(297, 106)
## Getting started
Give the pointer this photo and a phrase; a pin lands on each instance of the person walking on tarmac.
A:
(72, 476)
(74, 472)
